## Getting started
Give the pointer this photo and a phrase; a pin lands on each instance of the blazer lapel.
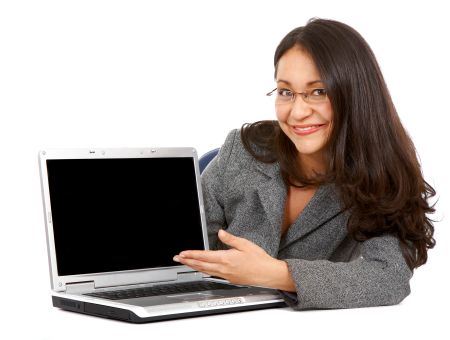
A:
(272, 194)
(324, 206)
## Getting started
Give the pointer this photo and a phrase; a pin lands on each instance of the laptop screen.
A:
(123, 214)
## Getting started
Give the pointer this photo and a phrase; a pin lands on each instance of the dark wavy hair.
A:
(370, 157)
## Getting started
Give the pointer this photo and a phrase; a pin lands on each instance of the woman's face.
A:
(307, 124)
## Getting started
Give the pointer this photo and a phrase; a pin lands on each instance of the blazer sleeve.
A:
(213, 190)
(379, 277)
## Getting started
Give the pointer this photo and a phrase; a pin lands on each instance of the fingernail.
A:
(176, 258)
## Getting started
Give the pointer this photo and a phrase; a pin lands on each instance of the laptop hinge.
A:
(80, 287)
(189, 276)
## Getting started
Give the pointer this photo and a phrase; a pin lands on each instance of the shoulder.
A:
(253, 142)
(233, 152)
(238, 160)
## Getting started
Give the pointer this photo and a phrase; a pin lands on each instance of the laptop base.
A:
(128, 316)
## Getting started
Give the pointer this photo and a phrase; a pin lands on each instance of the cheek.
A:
(282, 114)
(327, 112)
(328, 115)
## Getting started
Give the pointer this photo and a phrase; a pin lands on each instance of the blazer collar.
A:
(270, 169)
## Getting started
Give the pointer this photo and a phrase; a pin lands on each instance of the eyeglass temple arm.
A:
(271, 92)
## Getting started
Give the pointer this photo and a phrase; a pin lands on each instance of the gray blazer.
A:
(330, 269)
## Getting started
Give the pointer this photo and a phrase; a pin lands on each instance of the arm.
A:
(213, 202)
(379, 277)
(212, 188)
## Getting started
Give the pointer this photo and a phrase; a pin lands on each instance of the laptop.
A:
(114, 220)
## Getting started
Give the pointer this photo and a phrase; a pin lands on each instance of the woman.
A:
(327, 204)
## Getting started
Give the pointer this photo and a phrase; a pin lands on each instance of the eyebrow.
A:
(307, 84)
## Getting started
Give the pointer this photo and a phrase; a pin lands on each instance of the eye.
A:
(318, 92)
(285, 93)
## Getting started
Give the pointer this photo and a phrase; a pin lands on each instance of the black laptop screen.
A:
(122, 214)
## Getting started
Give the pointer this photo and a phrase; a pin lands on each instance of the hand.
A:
(245, 264)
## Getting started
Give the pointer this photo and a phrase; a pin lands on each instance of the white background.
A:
(183, 73)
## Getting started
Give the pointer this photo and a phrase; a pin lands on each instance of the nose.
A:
(300, 109)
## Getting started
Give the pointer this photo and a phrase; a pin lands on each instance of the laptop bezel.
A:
(59, 283)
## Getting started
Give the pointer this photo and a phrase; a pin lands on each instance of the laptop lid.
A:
(118, 216)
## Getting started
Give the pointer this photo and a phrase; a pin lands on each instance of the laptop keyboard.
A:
(167, 289)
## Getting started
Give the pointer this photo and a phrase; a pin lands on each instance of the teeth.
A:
(306, 128)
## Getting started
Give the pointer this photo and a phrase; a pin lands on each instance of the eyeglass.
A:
(311, 96)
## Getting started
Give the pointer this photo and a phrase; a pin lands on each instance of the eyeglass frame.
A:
(305, 96)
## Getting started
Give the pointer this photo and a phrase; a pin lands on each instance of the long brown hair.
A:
(371, 158)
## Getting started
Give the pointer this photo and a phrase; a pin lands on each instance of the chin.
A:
(309, 149)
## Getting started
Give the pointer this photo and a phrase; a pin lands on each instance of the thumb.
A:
(231, 240)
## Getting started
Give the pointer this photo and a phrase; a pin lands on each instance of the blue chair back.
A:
(206, 158)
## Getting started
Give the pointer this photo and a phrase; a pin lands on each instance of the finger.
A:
(213, 256)
(201, 266)
(234, 241)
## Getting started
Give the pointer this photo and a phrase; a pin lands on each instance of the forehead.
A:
(297, 67)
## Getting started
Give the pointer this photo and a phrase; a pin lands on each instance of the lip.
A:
(307, 129)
